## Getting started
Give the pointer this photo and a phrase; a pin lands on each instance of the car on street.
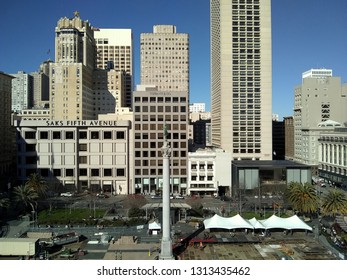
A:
(66, 194)
(102, 195)
(155, 196)
(179, 197)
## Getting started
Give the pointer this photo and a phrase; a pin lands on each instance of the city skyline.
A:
(305, 36)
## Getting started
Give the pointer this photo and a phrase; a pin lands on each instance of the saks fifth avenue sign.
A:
(82, 123)
(71, 123)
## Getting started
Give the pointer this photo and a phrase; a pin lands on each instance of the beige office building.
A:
(71, 76)
(152, 110)
(109, 88)
(165, 59)
(76, 155)
(241, 77)
(115, 52)
(320, 97)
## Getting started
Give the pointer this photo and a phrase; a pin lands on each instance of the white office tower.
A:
(22, 92)
(320, 98)
(165, 59)
(241, 77)
(115, 52)
(197, 108)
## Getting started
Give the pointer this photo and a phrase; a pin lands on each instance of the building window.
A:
(30, 135)
(69, 135)
(69, 172)
(94, 134)
(83, 147)
(83, 172)
(83, 159)
(107, 135)
(43, 135)
(83, 134)
(120, 135)
(56, 135)
(57, 172)
(108, 172)
(120, 172)
(95, 172)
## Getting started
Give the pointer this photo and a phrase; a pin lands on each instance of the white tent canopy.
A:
(256, 224)
(274, 222)
(296, 223)
(227, 223)
(237, 222)
(154, 226)
(217, 222)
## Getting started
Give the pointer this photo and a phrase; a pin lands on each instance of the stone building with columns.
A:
(333, 156)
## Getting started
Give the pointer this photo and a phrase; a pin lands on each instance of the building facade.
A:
(278, 140)
(71, 75)
(109, 88)
(310, 149)
(333, 156)
(41, 86)
(22, 91)
(6, 137)
(165, 59)
(209, 172)
(115, 52)
(197, 108)
(153, 110)
(320, 97)
(76, 156)
(289, 137)
(241, 77)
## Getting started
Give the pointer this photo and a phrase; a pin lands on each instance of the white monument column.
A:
(166, 243)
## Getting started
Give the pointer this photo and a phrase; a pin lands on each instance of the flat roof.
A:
(269, 163)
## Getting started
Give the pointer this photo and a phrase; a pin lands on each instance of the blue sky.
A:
(305, 34)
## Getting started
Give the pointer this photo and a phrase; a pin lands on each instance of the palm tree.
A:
(26, 195)
(334, 202)
(37, 183)
(4, 202)
(303, 197)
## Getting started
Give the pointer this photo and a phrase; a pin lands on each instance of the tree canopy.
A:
(303, 197)
(334, 202)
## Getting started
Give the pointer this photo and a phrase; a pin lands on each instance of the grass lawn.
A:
(69, 216)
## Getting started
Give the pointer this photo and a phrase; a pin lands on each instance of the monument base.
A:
(166, 250)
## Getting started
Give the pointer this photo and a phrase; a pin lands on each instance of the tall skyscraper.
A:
(320, 97)
(165, 59)
(22, 91)
(71, 76)
(7, 134)
(241, 77)
(115, 52)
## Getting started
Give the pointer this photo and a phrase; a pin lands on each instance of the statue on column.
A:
(166, 150)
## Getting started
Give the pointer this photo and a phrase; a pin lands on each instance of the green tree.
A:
(38, 184)
(27, 196)
(334, 202)
(303, 197)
